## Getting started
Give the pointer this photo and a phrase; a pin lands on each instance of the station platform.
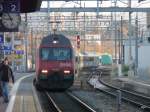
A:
(138, 83)
(23, 97)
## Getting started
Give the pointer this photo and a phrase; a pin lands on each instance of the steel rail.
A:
(73, 97)
(114, 89)
(81, 102)
(57, 109)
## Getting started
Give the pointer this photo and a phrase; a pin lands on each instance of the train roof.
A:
(87, 55)
(57, 39)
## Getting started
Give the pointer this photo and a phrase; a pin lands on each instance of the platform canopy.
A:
(30, 5)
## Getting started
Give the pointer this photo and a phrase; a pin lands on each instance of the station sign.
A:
(9, 48)
(10, 6)
(1, 52)
(1, 38)
(8, 52)
(19, 52)
(5, 48)
(1, 47)
(9, 15)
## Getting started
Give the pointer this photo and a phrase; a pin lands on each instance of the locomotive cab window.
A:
(56, 54)
(44, 54)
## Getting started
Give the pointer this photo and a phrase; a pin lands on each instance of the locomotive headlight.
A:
(67, 71)
(55, 42)
(44, 71)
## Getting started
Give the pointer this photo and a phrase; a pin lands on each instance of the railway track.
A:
(138, 99)
(66, 102)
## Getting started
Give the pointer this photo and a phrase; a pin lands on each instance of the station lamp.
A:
(78, 41)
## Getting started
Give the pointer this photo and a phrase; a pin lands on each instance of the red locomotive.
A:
(54, 63)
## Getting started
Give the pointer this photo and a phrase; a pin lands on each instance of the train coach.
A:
(85, 62)
(54, 63)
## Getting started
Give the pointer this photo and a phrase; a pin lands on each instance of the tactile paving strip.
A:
(24, 104)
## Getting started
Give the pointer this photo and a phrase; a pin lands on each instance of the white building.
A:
(143, 56)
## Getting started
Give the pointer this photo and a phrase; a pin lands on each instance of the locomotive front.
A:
(55, 68)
